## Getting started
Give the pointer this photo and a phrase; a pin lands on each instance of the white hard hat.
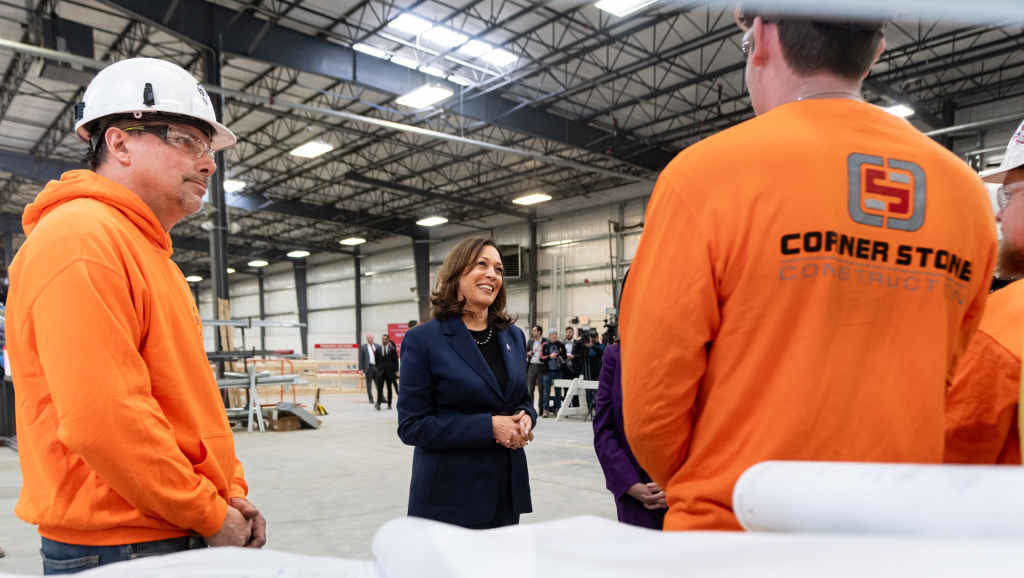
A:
(1013, 159)
(148, 86)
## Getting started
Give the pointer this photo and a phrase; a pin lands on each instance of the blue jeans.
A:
(61, 558)
(549, 378)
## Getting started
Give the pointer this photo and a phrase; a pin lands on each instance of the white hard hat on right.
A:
(1013, 159)
(142, 87)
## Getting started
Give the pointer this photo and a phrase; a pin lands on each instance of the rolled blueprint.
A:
(861, 498)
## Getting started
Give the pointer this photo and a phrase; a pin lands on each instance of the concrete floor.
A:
(326, 491)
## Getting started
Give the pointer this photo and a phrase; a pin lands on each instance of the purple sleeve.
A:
(619, 472)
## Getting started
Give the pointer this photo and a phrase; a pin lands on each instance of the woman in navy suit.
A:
(463, 401)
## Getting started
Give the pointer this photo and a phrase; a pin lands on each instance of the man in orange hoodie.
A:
(125, 447)
(834, 264)
(981, 406)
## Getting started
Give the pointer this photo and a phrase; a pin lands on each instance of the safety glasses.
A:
(192, 146)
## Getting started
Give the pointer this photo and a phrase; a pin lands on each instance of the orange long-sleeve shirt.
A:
(122, 434)
(981, 405)
(802, 290)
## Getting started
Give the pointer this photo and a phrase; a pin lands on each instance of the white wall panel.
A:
(331, 294)
(389, 287)
(283, 337)
(279, 302)
(330, 270)
(337, 326)
(245, 306)
(376, 318)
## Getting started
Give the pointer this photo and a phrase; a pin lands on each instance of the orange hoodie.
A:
(981, 406)
(803, 288)
(122, 434)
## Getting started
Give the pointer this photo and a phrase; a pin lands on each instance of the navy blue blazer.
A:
(445, 403)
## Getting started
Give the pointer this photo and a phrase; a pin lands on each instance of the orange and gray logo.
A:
(886, 193)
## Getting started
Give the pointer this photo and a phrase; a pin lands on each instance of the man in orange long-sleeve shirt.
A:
(124, 444)
(818, 270)
(981, 406)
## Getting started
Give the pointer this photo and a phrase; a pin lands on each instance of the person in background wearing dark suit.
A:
(463, 403)
(369, 360)
(387, 369)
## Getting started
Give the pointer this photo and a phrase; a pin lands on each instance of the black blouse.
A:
(492, 354)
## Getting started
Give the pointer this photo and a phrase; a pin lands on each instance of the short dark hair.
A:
(444, 299)
(844, 48)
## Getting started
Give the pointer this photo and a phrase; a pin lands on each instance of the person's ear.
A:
(116, 141)
(760, 38)
(878, 54)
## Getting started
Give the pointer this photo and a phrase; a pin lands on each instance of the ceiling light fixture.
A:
(406, 62)
(352, 241)
(443, 36)
(432, 221)
(622, 8)
(900, 110)
(410, 24)
(371, 50)
(298, 254)
(312, 149)
(558, 243)
(460, 80)
(475, 48)
(433, 71)
(233, 185)
(500, 57)
(257, 263)
(424, 96)
(532, 199)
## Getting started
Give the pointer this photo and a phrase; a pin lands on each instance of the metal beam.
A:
(421, 267)
(921, 112)
(263, 310)
(292, 49)
(435, 196)
(358, 297)
(531, 273)
(41, 169)
(34, 168)
(215, 193)
(302, 301)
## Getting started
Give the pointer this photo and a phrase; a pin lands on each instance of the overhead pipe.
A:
(272, 102)
(1009, 118)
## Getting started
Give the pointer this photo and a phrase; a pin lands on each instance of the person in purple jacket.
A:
(638, 500)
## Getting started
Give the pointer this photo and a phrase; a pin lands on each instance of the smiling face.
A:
(482, 280)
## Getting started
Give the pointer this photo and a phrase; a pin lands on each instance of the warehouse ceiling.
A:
(559, 97)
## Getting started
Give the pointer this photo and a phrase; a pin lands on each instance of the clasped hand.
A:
(512, 431)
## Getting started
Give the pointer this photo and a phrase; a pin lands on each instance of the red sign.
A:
(396, 332)
(345, 354)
